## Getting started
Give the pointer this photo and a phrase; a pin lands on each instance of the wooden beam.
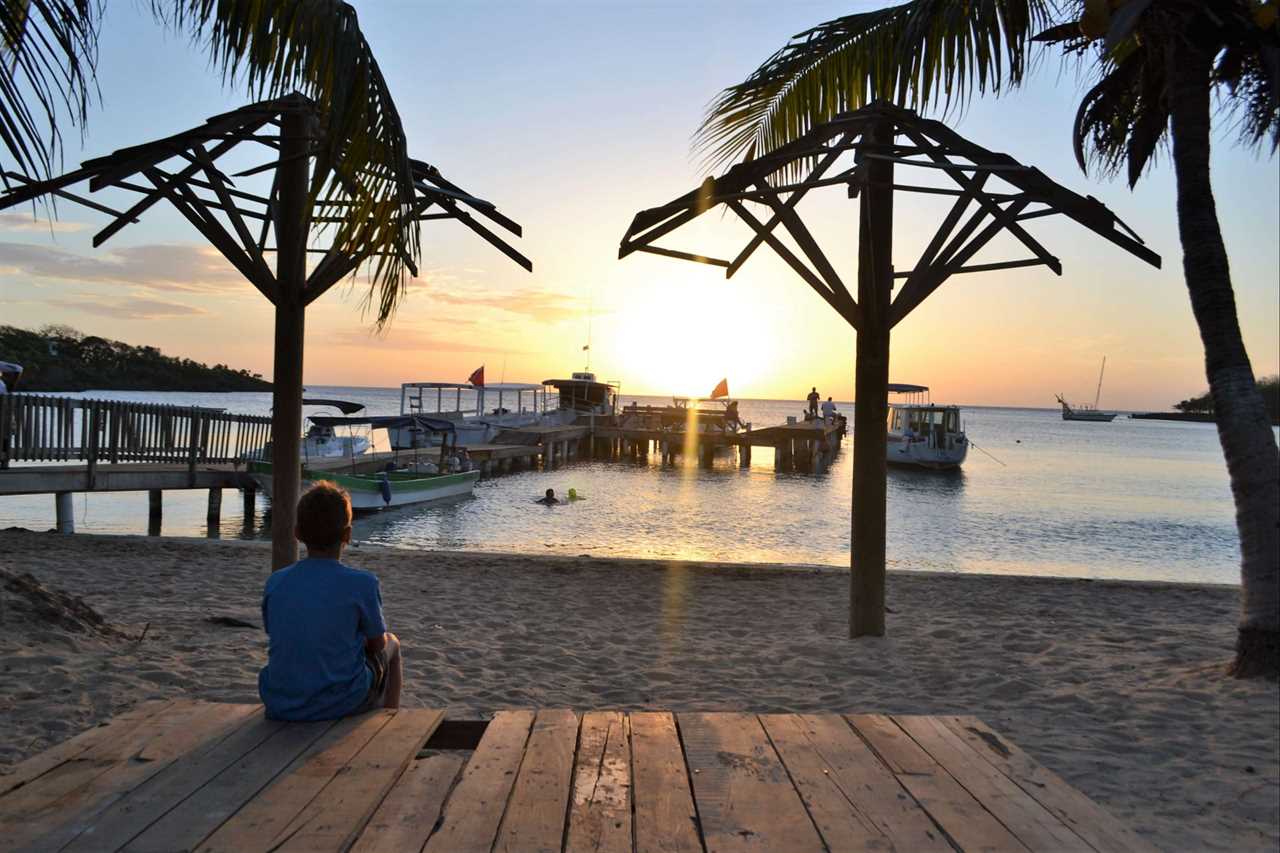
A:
(846, 309)
(684, 256)
(1000, 265)
(790, 203)
(11, 200)
(493, 239)
(800, 233)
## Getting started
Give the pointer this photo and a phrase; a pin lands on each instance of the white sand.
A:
(1116, 686)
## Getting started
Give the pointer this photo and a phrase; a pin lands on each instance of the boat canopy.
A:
(344, 406)
(387, 422)
(899, 388)
(556, 383)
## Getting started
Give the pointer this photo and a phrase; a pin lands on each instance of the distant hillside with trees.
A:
(60, 358)
(1268, 385)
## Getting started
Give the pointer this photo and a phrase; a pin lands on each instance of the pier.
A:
(78, 445)
(124, 446)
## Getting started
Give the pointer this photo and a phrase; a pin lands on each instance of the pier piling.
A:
(250, 496)
(64, 512)
(214, 515)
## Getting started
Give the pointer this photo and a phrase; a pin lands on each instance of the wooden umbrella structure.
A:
(882, 139)
(306, 211)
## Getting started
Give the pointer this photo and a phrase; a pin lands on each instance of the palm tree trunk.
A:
(1243, 428)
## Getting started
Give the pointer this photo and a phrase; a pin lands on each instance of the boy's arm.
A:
(372, 624)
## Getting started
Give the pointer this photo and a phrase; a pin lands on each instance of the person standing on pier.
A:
(829, 410)
(813, 398)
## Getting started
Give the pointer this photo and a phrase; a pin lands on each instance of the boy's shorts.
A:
(378, 663)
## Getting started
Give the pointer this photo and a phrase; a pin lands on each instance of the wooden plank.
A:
(1035, 826)
(1085, 817)
(474, 810)
(336, 817)
(85, 786)
(966, 823)
(147, 803)
(744, 798)
(410, 811)
(665, 818)
(600, 807)
(535, 815)
(180, 822)
(118, 726)
(260, 823)
(854, 800)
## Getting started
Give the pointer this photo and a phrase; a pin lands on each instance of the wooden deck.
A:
(184, 775)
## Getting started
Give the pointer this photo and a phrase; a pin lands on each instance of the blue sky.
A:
(572, 116)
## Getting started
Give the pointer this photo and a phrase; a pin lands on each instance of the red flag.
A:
(721, 390)
(477, 377)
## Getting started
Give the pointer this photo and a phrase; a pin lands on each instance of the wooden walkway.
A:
(184, 775)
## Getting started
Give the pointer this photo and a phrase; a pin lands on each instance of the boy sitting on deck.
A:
(330, 654)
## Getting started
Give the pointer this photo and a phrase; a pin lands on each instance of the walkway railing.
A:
(35, 428)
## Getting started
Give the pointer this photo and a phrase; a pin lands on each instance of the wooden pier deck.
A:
(186, 775)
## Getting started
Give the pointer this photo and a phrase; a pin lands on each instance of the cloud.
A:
(541, 305)
(411, 340)
(128, 307)
(190, 269)
(23, 222)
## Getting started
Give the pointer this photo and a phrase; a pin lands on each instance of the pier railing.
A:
(36, 428)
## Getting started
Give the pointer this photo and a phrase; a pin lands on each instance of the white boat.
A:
(923, 433)
(413, 480)
(322, 442)
(1085, 412)
(486, 410)
(480, 412)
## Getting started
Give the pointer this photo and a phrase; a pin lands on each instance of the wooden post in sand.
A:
(871, 393)
(155, 508)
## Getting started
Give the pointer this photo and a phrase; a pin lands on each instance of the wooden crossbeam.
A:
(999, 265)
(843, 304)
(800, 233)
(145, 203)
(493, 239)
(86, 202)
(791, 202)
(217, 179)
(188, 205)
(684, 256)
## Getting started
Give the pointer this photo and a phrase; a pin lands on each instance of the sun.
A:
(684, 333)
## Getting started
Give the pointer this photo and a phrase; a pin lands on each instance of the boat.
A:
(321, 441)
(486, 411)
(399, 482)
(583, 394)
(10, 373)
(923, 433)
(1085, 412)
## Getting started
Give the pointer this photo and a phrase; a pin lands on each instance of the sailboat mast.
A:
(1098, 395)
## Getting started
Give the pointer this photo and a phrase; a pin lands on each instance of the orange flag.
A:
(477, 377)
(721, 390)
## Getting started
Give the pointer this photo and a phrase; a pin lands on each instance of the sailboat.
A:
(1085, 412)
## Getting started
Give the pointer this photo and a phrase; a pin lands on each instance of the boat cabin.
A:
(585, 395)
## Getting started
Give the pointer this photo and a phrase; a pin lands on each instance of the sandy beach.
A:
(1116, 686)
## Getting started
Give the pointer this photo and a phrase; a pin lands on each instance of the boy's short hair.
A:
(324, 512)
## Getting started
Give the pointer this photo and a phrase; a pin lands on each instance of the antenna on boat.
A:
(591, 306)
(1098, 395)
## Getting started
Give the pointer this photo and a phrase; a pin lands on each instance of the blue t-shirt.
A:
(318, 614)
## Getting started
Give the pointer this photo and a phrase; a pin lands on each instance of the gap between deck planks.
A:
(191, 775)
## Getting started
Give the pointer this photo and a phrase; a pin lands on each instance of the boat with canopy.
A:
(413, 478)
(922, 433)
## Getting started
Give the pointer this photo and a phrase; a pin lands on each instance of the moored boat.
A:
(1085, 412)
(399, 482)
(923, 433)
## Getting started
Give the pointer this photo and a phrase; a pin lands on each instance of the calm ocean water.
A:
(1130, 499)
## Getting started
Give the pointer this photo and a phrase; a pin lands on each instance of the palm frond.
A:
(48, 59)
(915, 54)
(316, 47)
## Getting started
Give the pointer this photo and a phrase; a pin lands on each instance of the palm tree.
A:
(1157, 64)
(362, 182)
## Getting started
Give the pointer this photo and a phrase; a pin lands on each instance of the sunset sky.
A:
(572, 116)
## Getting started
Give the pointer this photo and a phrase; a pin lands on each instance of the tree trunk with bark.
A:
(1244, 431)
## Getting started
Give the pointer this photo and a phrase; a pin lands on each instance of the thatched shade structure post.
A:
(885, 140)
(305, 212)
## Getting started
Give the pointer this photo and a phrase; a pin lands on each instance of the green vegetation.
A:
(59, 358)
(1268, 386)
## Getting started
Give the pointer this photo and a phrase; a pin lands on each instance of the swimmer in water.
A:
(574, 496)
(550, 498)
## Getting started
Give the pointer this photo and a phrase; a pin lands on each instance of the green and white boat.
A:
(415, 480)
